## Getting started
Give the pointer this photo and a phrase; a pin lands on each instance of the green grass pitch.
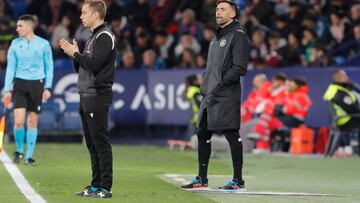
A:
(63, 169)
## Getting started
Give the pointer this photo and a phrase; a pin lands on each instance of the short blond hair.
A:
(97, 6)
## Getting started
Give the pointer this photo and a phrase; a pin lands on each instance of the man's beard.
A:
(220, 21)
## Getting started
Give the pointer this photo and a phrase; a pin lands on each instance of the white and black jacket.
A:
(96, 65)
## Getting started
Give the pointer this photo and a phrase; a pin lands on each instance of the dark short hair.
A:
(233, 5)
(27, 17)
(299, 81)
(97, 6)
(279, 76)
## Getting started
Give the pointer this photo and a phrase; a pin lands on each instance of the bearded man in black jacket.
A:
(220, 108)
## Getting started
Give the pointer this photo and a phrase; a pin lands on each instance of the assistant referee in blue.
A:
(28, 80)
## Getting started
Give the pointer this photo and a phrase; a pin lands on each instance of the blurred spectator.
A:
(128, 60)
(113, 10)
(319, 58)
(3, 59)
(130, 19)
(163, 43)
(53, 11)
(291, 113)
(194, 5)
(309, 21)
(207, 12)
(61, 31)
(192, 93)
(258, 50)
(200, 61)
(121, 41)
(190, 25)
(262, 10)
(158, 13)
(354, 16)
(341, 94)
(282, 7)
(249, 21)
(150, 61)
(7, 33)
(208, 35)
(307, 41)
(259, 92)
(291, 52)
(322, 21)
(338, 6)
(295, 14)
(273, 58)
(187, 59)
(138, 13)
(5, 9)
(187, 41)
(40, 30)
(355, 13)
(355, 46)
(143, 43)
(339, 28)
(282, 27)
(34, 7)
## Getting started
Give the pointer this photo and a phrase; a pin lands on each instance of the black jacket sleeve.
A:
(76, 66)
(101, 50)
(240, 53)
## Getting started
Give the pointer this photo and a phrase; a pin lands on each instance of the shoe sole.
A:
(197, 188)
(233, 190)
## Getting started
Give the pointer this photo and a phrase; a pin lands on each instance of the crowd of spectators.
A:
(163, 34)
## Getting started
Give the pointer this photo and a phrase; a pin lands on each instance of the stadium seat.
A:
(48, 118)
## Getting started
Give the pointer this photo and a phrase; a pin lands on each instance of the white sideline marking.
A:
(177, 178)
(263, 193)
(20, 180)
(170, 175)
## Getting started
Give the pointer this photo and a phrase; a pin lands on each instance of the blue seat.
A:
(48, 118)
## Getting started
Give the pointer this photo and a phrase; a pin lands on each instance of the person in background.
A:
(192, 93)
(289, 111)
(220, 108)
(345, 104)
(30, 67)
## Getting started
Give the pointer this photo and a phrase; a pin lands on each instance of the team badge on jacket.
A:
(222, 42)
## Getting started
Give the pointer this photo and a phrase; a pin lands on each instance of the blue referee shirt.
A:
(29, 60)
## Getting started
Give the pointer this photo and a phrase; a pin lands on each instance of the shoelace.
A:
(195, 180)
(232, 182)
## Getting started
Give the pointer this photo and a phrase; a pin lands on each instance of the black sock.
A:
(204, 152)
(236, 147)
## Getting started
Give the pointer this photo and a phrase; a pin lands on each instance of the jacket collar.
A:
(345, 85)
(225, 30)
(99, 27)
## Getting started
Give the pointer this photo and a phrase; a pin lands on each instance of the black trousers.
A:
(94, 116)
(204, 149)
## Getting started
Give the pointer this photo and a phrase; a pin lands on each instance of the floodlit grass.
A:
(63, 169)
